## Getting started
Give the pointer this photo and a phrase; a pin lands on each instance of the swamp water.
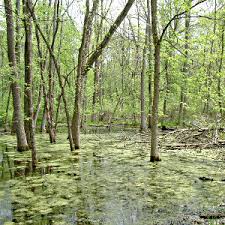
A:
(110, 182)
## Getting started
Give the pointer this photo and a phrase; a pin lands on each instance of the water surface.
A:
(109, 181)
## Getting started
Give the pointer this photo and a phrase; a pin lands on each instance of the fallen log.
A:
(195, 145)
(212, 216)
(206, 179)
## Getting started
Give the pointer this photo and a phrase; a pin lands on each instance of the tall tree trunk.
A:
(84, 105)
(7, 110)
(58, 111)
(183, 96)
(83, 67)
(209, 77)
(42, 64)
(96, 89)
(20, 132)
(43, 121)
(18, 51)
(28, 93)
(97, 72)
(149, 35)
(166, 92)
(143, 71)
(134, 73)
(154, 126)
(220, 69)
(51, 77)
(38, 107)
(81, 73)
(18, 33)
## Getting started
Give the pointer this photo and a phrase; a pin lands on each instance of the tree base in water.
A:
(155, 159)
(22, 148)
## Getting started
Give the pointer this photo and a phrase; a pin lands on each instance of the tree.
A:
(183, 95)
(143, 70)
(97, 72)
(84, 64)
(157, 45)
(155, 106)
(149, 46)
(20, 132)
(28, 89)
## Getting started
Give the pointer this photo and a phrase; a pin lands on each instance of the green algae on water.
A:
(110, 181)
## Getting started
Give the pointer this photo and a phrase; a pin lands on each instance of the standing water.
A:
(110, 181)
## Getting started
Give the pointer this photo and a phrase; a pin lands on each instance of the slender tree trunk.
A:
(18, 33)
(38, 107)
(18, 51)
(42, 63)
(122, 79)
(66, 79)
(58, 111)
(51, 77)
(96, 89)
(166, 92)
(81, 73)
(84, 105)
(7, 110)
(28, 93)
(43, 121)
(143, 71)
(20, 132)
(183, 96)
(134, 73)
(1, 65)
(220, 69)
(209, 68)
(97, 73)
(155, 106)
(77, 109)
(149, 35)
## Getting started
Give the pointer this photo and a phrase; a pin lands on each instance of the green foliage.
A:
(121, 64)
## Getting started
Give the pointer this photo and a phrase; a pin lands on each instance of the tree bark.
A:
(154, 125)
(183, 96)
(18, 51)
(43, 121)
(149, 35)
(96, 89)
(157, 42)
(20, 132)
(51, 76)
(28, 93)
(42, 64)
(7, 110)
(38, 107)
(220, 102)
(143, 72)
(209, 77)
(166, 91)
(81, 73)
(97, 71)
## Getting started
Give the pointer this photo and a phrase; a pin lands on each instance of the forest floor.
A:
(110, 180)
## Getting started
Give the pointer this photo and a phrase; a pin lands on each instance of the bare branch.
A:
(176, 17)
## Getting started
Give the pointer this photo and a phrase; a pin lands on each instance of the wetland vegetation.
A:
(110, 181)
